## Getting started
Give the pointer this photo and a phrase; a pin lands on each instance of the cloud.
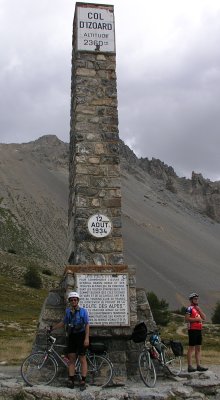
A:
(35, 74)
(168, 73)
(174, 113)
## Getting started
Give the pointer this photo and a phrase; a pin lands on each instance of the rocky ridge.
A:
(198, 193)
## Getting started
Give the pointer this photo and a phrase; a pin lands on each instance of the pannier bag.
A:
(177, 347)
(139, 333)
(97, 348)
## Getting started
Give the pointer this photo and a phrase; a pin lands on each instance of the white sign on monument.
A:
(95, 29)
(99, 225)
(105, 296)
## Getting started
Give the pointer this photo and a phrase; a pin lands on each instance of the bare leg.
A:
(84, 368)
(198, 354)
(83, 363)
(189, 355)
(72, 358)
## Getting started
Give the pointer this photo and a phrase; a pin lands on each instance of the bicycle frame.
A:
(50, 351)
(166, 357)
(89, 353)
(159, 353)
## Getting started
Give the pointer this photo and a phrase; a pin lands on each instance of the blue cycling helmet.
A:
(153, 339)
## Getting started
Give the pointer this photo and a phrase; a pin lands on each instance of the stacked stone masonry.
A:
(94, 178)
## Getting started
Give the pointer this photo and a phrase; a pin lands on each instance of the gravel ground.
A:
(186, 387)
(14, 371)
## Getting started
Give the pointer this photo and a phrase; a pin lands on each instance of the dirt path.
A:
(180, 329)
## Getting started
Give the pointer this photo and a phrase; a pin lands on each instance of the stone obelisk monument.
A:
(107, 286)
(97, 270)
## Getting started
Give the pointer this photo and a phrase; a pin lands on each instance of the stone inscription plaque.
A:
(105, 296)
(95, 29)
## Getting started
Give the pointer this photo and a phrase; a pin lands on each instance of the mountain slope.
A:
(175, 250)
(34, 187)
(168, 233)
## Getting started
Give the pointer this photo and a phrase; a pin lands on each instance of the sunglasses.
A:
(73, 299)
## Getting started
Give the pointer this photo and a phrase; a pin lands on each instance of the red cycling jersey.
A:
(192, 311)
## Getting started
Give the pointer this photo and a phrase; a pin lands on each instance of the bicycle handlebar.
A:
(51, 338)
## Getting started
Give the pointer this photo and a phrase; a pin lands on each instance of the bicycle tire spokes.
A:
(147, 369)
(172, 363)
(99, 370)
(38, 369)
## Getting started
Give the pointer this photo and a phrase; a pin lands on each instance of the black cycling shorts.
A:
(76, 343)
(195, 337)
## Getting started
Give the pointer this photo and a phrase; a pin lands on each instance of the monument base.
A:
(122, 351)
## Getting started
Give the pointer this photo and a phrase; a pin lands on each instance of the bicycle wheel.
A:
(172, 362)
(147, 369)
(39, 369)
(99, 370)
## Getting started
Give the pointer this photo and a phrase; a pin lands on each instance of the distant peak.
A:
(48, 139)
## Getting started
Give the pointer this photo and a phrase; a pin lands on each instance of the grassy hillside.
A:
(20, 310)
(19, 316)
(20, 304)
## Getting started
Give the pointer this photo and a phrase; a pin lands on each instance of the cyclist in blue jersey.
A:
(76, 319)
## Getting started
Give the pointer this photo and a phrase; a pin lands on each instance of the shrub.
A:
(12, 251)
(159, 309)
(216, 314)
(47, 272)
(180, 311)
(32, 278)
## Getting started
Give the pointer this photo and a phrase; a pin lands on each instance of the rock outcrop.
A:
(199, 387)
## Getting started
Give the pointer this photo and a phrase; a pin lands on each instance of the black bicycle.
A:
(41, 368)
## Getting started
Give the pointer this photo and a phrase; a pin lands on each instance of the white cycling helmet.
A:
(73, 294)
(192, 295)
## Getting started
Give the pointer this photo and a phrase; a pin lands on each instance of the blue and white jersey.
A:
(76, 320)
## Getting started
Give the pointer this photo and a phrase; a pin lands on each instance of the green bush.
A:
(216, 314)
(180, 311)
(47, 272)
(159, 309)
(32, 278)
(12, 251)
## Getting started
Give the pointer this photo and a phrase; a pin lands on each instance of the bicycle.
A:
(160, 351)
(41, 367)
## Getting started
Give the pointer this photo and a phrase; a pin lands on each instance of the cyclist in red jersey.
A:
(194, 318)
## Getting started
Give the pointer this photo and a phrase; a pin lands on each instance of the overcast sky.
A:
(168, 76)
